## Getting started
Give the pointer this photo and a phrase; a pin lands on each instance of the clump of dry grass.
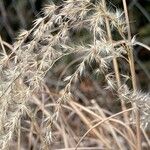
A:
(24, 69)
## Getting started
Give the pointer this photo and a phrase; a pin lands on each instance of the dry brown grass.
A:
(67, 111)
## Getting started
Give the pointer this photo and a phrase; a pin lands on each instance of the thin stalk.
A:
(19, 136)
(133, 76)
(116, 69)
(115, 63)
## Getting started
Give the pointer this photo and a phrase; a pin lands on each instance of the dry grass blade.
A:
(101, 123)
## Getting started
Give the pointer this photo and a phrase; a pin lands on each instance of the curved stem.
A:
(96, 125)
(143, 45)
